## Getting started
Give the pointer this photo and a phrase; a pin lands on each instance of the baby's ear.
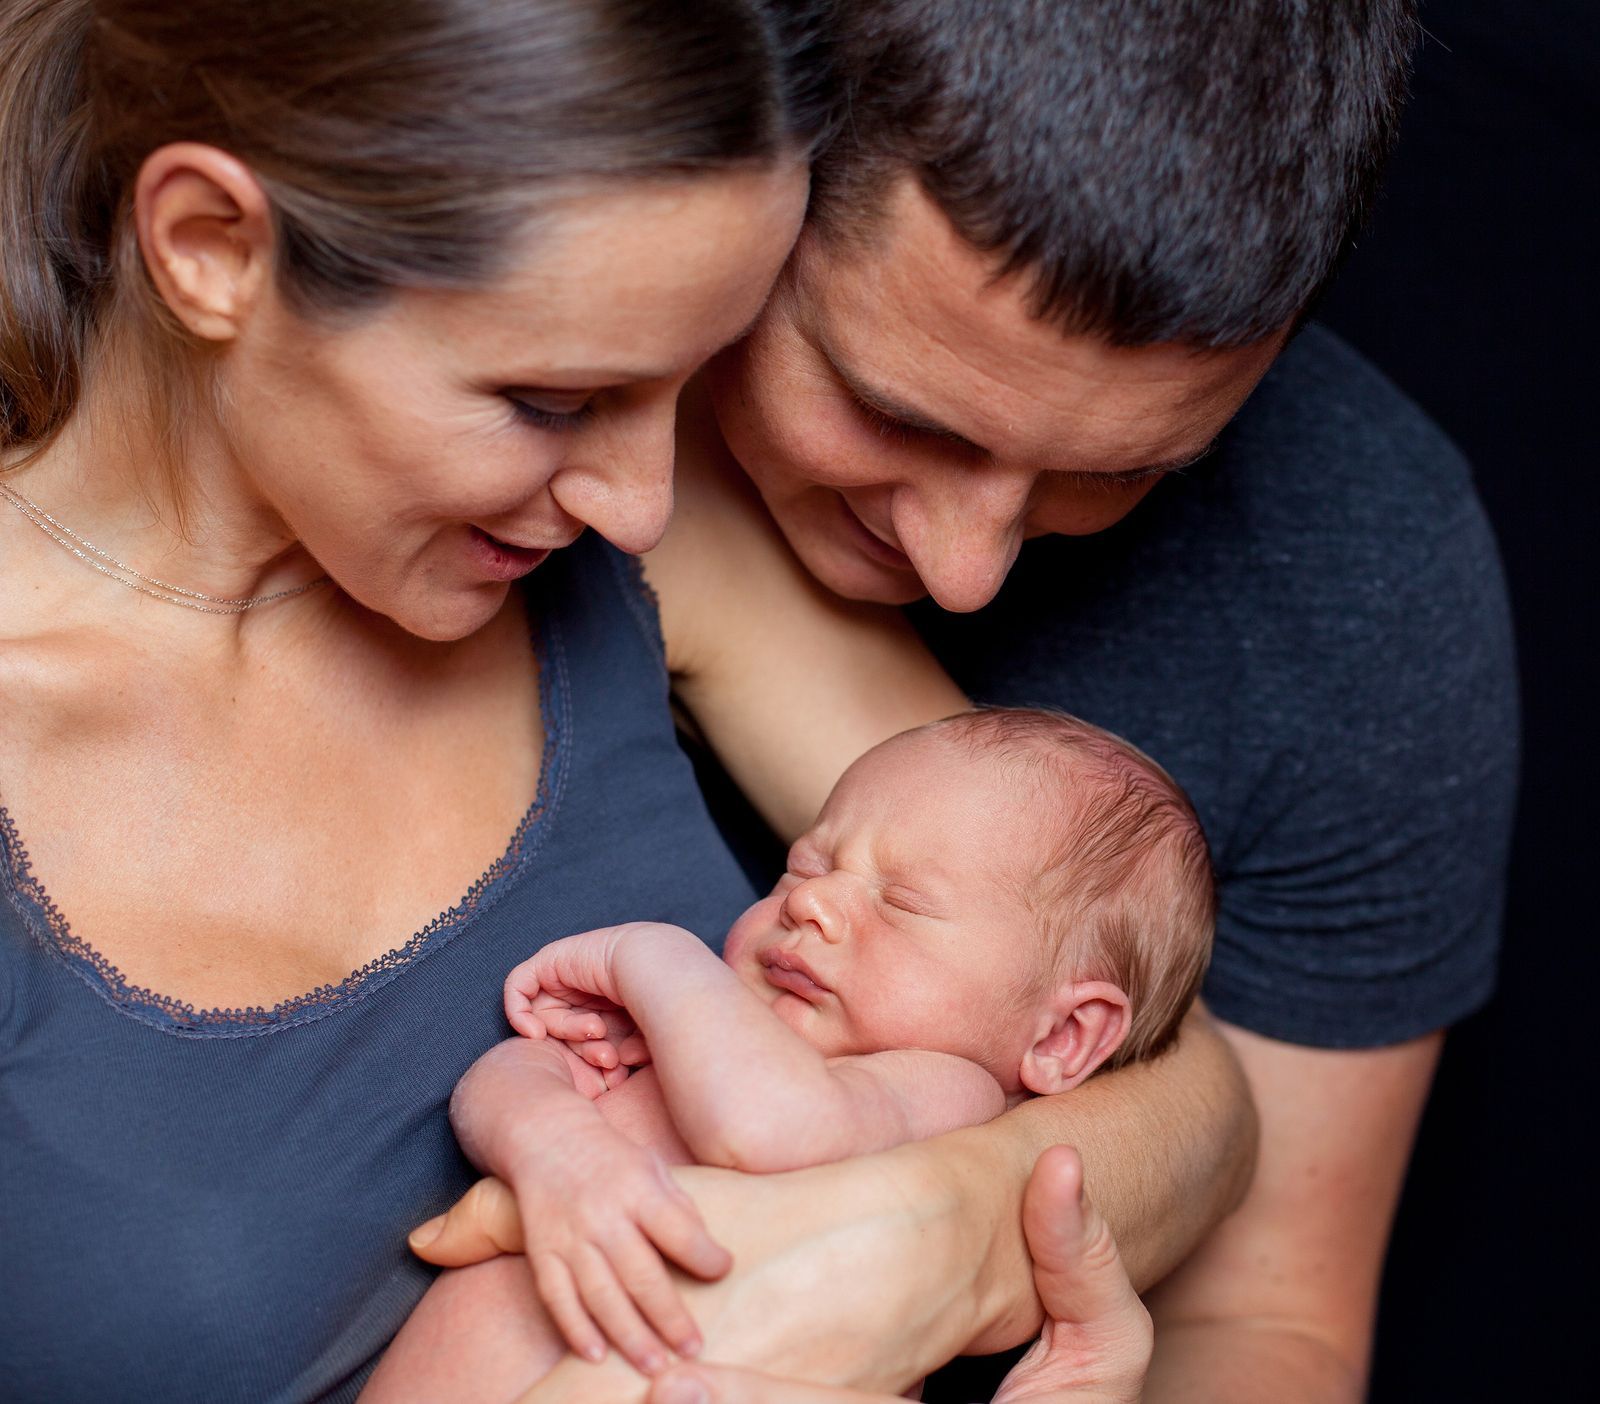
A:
(1083, 1026)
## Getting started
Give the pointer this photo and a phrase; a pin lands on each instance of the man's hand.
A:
(1097, 1336)
(1094, 1350)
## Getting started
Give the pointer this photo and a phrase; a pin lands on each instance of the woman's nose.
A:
(812, 902)
(619, 480)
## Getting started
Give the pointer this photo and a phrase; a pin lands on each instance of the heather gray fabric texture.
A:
(208, 1207)
(1310, 631)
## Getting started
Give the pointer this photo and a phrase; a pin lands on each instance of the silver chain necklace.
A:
(113, 569)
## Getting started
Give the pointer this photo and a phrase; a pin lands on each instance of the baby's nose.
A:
(811, 904)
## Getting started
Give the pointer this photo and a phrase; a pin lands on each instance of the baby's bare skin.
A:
(892, 987)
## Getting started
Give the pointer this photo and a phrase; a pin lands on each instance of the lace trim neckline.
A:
(172, 1015)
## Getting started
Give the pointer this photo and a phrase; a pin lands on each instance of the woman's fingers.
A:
(480, 1225)
(720, 1384)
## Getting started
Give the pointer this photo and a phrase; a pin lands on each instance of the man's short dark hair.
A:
(1160, 170)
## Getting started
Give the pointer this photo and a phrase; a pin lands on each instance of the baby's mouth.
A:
(786, 971)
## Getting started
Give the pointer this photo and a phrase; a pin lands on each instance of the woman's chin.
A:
(441, 616)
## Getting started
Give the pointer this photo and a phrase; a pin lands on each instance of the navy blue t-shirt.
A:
(1309, 629)
(212, 1205)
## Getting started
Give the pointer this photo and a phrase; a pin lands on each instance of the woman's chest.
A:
(239, 849)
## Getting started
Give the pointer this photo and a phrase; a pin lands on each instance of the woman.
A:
(322, 325)
(403, 296)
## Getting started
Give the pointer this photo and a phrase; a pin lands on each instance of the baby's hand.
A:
(568, 990)
(598, 1214)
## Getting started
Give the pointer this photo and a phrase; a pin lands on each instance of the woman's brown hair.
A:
(400, 142)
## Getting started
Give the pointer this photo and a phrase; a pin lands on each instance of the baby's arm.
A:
(599, 1208)
(744, 1090)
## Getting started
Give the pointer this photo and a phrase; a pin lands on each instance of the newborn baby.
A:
(995, 905)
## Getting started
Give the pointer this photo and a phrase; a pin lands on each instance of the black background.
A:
(1475, 292)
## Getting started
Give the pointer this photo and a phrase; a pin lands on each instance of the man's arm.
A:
(790, 685)
(931, 1233)
(1279, 1302)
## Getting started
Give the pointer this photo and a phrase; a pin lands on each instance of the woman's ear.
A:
(206, 234)
(1084, 1025)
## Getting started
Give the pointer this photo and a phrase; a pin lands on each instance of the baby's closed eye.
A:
(906, 899)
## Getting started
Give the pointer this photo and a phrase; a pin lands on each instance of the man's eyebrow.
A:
(1152, 470)
(892, 408)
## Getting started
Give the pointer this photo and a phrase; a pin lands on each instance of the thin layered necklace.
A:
(113, 569)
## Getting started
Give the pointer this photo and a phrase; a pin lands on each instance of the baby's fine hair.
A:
(1123, 886)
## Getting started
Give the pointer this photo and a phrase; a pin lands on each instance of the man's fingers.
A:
(720, 1384)
(482, 1224)
(1077, 1268)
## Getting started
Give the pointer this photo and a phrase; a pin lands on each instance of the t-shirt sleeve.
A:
(1362, 895)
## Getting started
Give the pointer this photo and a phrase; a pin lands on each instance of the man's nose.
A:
(964, 536)
(815, 902)
(619, 480)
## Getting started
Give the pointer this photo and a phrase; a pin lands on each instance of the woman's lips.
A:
(786, 971)
(501, 560)
(873, 545)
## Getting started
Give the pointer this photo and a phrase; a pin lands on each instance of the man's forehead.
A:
(918, 315)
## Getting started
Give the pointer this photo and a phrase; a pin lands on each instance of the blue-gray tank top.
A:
(212, 1205)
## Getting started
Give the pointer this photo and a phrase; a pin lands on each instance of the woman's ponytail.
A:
(50, 272)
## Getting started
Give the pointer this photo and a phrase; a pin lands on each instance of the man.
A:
(1052, 254)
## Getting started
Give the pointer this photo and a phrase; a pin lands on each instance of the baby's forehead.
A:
(981, 811)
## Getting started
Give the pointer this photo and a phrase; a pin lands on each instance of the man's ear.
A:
(206, 234)
(1083, 1026)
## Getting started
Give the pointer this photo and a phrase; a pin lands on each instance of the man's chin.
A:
(853, 577)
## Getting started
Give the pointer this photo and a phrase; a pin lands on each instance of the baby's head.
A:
(1014, 886)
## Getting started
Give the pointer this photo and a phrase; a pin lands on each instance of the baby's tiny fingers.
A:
(559, 1293)
(597, 1053)
(573, 1025)
(633, 1051)
(650, 1286)
(608, 1302)
(526, 1023)
(674, 1225)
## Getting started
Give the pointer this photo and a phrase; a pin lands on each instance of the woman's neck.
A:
(203, 528)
